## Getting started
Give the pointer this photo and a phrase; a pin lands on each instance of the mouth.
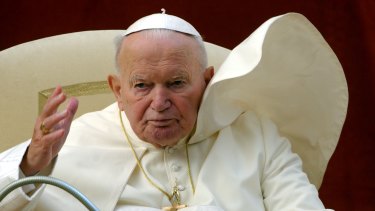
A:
(161, 122)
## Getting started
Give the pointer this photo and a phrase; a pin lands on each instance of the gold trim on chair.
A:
(81, 89)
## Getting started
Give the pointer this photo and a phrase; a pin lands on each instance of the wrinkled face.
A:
(160, 86)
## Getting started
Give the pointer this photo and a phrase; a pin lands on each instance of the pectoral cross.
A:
(175, 200)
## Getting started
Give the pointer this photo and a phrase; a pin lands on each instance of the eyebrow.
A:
(135, 77)
(181, 74)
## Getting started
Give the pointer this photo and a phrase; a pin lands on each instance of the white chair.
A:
(80, 62)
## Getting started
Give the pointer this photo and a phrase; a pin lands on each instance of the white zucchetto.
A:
(162, 21)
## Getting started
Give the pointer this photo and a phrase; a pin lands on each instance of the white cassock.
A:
(239, 160)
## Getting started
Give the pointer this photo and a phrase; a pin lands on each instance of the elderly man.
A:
(156, 149)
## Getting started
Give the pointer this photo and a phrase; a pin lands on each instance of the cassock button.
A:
(180, 188)
(175, 167)
(171, 150)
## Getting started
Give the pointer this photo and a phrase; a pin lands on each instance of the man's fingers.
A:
(72, 106)
(52, 105)
(52, 121)
(56, 92)
(72, 109)
(65, 117)
(51, 138)
(53, 102)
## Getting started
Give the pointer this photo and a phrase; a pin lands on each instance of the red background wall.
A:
(347, 25)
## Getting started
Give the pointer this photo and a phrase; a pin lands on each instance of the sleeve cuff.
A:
(32, 189)
(26, 188)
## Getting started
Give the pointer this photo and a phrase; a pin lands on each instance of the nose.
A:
(160, 99)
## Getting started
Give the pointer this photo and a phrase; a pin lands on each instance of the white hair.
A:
(164, 33)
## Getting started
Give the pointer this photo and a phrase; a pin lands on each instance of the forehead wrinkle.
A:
(144, 76)
(182, 56)
(174, 61)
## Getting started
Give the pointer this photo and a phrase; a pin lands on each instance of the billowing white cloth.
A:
(284, 71)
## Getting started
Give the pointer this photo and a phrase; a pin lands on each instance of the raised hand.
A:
(50, 132)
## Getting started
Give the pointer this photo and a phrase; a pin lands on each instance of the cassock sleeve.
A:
(284, 184)
(21, 198)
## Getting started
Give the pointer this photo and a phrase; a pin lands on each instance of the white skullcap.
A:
(162, 21)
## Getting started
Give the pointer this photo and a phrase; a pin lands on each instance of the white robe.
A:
(244, 166)
(238, 159)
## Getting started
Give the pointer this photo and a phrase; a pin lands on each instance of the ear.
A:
(115, 85)
(208, 74)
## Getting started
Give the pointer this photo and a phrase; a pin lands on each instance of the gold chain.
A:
(188, 163)
(175, 196)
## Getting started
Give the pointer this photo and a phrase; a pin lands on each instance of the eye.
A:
(140, 85)
(176, 83)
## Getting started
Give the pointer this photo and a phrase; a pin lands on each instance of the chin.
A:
(164, 141)
(163, 144)
(164, 137)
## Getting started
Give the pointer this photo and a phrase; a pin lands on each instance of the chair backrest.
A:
(80, 62)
